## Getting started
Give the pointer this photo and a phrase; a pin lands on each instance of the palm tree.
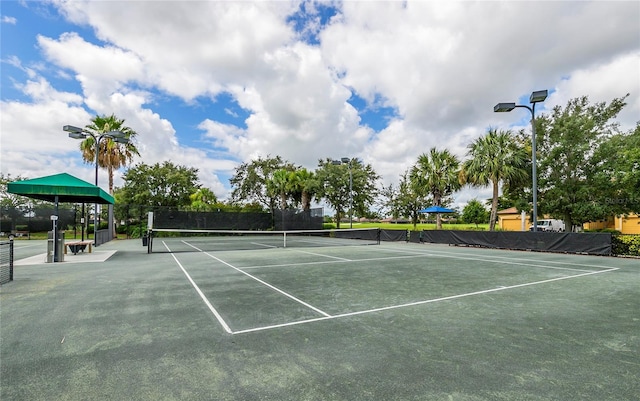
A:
(112, 155)
(494, 158)
(279, 185)
(304, 186)
(436, 173)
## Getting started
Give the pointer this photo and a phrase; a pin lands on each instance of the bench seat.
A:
(77, 246)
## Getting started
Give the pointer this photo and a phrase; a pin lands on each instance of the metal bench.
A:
(77, 246)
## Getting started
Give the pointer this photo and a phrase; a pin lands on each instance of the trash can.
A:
(60, 245)
(51, 253)
(49, 247)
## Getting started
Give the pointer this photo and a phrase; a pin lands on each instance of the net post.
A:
(150, 232)
(284, 239)
(378, 235)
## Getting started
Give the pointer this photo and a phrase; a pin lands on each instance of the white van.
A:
(549, 225)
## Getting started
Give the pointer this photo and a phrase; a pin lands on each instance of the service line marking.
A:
(213, 310)
(324, 256)
(286, 294)
(275, 326)
(412, 256)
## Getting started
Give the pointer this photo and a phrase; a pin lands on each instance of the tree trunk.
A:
(283, 201)
(568, 224)
(494, 207)
(436, 201)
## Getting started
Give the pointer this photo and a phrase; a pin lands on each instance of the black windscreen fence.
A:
(287, 219)
(36, 218)
(6, 261)
(394, 235)
(586, 243)
(280, 220)
(211, 220)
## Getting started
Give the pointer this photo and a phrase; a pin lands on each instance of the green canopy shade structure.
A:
(60, 188)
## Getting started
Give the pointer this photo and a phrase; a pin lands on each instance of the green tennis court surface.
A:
(394, 321)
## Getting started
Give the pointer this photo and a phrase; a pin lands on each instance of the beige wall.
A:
(513, 222)
(628, 224)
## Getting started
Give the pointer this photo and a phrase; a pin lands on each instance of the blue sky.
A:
(214, 84)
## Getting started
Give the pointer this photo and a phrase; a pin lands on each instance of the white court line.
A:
(502, 288)
(324, 256)
(333, 261)
(263, 282)
(477, 258)
(530, 260)
(263, 245)
(206, 301)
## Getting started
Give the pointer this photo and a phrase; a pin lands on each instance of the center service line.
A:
(264, 283)
(206, 301)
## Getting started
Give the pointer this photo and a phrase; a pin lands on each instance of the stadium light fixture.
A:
(81, 133)
(504, 107)
(71, 128)
(77, 135)
(536, 97)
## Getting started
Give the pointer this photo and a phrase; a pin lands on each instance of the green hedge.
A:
(626, 244)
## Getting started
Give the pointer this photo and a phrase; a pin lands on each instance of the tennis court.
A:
(395, 321)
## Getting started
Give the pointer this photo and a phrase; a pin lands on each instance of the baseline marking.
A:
(264, 283)
(213, 310)
(421, 302)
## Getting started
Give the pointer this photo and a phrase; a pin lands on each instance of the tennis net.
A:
(180, 240)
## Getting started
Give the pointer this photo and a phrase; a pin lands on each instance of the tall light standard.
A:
(347, 161)
(81, 133)
(536, 97)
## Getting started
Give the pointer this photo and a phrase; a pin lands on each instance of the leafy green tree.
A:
(567, 139)
(615, 169)
(112, 155)
(8, 199)
(406, 201)
(474, 213)
(333, 182)
(250, 180)
(163, 184)
(494, 158)
(436, 174)
(204, 200)
(12, 206)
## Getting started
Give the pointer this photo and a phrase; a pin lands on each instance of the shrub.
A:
(626, 244)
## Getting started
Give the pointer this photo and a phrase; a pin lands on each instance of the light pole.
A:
(81, 133)
(347, 161)
(536, 97)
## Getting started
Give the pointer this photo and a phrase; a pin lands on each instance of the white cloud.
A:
(9, 20)
(441, 65)
(603, 83)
